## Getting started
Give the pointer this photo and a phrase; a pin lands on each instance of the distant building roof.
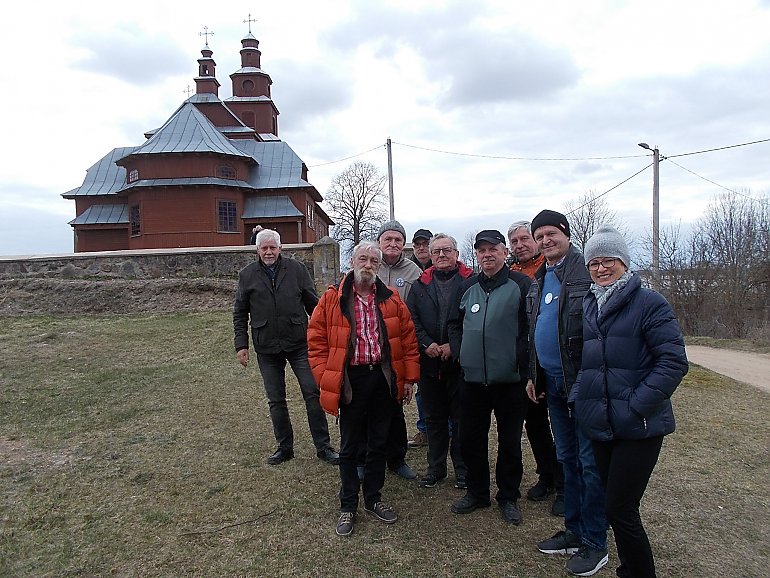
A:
(187, 131)
(102, 215)
(186, 182)
(269, 207)
(278, 165)
(104, 177)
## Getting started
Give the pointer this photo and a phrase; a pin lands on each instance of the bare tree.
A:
(587, 213)
(718, 279)
(356, 202)
(467, 252)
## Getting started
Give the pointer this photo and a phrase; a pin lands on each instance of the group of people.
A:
(569, 343)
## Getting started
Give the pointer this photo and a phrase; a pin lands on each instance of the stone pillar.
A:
(326, 263)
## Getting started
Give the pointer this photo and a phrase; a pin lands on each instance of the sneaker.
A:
(431, 480)
(460, 484)
(329, 456)
(383, 512)
(280, 456)
(509, 510)
(468, 503)
(563, 542)
(345, 523)
(557, 508)
(419, 440)
(405, 472)
(540, 491)
(587, 561)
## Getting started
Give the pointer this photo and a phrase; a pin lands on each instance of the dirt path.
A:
(752, 368)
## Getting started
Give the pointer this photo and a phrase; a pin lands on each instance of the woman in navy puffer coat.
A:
(633, 360)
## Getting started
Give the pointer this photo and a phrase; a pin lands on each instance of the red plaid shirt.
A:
(368, 349)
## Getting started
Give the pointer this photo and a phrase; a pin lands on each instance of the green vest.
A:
(490, 333)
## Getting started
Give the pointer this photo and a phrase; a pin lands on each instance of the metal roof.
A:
(187, 182)
(278, 165)
(204, 97)
(102, 215)
(105, 177)
(188, 130)
(269, 207)
(268, 136)
(260, 98)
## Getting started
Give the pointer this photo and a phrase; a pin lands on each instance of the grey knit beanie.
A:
(391, 226)
(606, 242)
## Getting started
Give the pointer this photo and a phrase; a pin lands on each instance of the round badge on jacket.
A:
(400, 282)
(475, 308)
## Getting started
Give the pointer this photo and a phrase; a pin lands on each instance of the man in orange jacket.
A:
(363, 353)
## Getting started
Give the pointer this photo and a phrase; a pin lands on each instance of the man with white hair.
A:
(275, 296)
(363, 352)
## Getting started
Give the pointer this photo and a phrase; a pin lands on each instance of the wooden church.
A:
(205, 178)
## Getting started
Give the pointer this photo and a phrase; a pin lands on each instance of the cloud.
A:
(134, 56)
(474, 64)
(308, 91)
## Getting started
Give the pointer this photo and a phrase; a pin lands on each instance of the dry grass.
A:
(120, 435)
(754, 345)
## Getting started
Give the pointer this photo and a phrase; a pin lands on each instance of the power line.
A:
(501, 157)
(720, 148)
(610, 189)
(346, 158)
(715, 183)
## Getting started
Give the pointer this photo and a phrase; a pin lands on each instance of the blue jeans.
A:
(421, 425)
(584, 502)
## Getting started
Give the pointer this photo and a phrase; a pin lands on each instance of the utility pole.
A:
(390, 180)
(655, 214)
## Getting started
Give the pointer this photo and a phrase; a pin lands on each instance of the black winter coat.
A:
(633, 360)
(278, 310)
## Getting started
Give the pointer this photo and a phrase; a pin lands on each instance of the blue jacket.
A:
(633, 360)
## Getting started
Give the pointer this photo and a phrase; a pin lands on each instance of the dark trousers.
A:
(272, 366)
(441, 402)
(508, 401)
(364, 422)
(541, 441)
(625, 467)
(397, 440)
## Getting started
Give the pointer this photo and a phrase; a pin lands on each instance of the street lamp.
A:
(655, 214)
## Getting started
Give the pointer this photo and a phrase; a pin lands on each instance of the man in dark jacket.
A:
(555, 303)
(430, 302)
(488, 330)
(276, 295)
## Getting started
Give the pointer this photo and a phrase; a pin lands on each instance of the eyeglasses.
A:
(443, 250)
(606, 263)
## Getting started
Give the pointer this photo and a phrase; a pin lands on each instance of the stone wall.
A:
(321, 258)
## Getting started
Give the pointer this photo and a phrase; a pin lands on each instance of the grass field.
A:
(128, 443)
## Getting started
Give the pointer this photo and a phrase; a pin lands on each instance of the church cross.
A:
(206, 33)
(249, 20)
(188, 91)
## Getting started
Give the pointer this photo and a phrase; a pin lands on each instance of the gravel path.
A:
(751, 368)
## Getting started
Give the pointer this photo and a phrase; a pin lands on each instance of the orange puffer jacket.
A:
(330, 341)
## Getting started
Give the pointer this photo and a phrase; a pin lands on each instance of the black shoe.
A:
(510, 512)
(329, 456)
(460, 483)
(557, 508)
(540, 491)
(587, 561)
(345, 523)
(563, 542)
(280, 456)
(468, 503)
(431, 480)
(383, 512)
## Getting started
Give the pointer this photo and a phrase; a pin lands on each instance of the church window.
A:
(135, 219)
(226, 211)
(133, 176)
(248, 86)
(225, 172)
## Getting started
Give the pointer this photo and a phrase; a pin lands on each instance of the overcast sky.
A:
(533, 80)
